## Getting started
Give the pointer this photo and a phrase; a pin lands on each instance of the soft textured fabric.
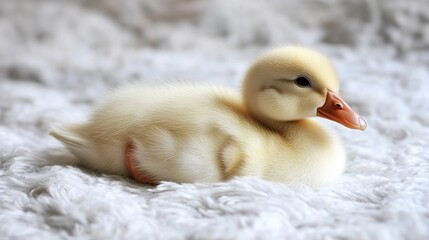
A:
(59, 58)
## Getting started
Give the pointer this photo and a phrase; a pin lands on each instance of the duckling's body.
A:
(189, 133)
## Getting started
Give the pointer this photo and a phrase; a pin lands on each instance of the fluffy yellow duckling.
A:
(187, 133)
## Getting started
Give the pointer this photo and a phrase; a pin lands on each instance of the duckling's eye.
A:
(302, 82)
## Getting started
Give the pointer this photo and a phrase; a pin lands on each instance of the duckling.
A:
(192, 133)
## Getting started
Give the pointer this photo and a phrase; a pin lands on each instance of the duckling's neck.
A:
(273, 125)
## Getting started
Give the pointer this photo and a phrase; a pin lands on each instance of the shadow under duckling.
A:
(189, 133)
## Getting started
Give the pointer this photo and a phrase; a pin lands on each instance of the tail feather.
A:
(103, 157)
(75, 139)
(69, 135)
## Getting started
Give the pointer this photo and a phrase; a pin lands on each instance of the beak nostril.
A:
(338, 106)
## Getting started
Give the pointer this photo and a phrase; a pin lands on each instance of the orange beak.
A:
(336, 109)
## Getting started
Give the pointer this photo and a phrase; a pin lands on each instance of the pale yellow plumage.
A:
(188, 133)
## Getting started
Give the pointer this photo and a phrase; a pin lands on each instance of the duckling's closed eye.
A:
(302, 81)
(271, 88)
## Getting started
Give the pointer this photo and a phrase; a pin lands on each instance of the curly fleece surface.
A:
(59, 58)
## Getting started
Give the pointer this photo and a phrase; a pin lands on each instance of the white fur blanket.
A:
(58, 58)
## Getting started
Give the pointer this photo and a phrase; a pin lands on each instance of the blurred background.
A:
(46, 39)
(58, 57)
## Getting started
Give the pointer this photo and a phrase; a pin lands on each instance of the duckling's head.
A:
(293, 83)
